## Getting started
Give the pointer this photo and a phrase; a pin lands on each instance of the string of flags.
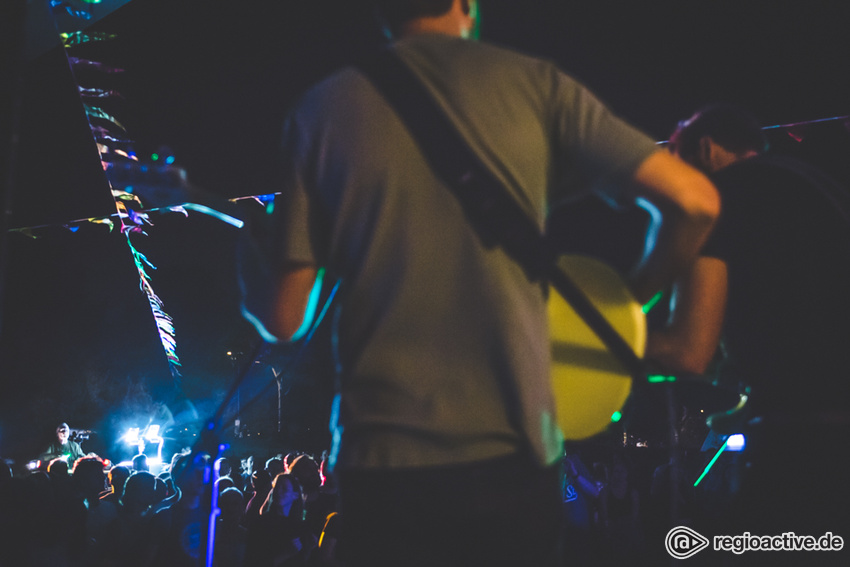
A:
(111, 139)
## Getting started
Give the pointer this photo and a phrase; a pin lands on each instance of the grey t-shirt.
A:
(443, 343)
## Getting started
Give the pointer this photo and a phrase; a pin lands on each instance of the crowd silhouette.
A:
(619, 501)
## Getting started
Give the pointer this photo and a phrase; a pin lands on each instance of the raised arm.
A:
(684, 206)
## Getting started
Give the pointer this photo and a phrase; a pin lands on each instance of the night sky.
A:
(211, 81)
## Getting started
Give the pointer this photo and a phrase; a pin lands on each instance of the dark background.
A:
(211, 81)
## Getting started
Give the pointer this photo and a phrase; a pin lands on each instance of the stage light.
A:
(736, 442)
(132, 436)
(733, 443)
(152, 433)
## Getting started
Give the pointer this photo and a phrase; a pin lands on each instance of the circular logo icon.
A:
(683, 542)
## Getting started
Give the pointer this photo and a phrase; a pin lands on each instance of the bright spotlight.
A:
(152, 434)
(132, 436)
(736, 442)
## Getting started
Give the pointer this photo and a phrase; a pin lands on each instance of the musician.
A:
(772, 282)
(63, 447)
(448, 446)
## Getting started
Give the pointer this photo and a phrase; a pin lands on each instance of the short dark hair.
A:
(398, 12)
(730, 126)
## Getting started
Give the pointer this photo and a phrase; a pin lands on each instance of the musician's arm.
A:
(279, 307)
(690, 341)
(277, 274)
(684, 205)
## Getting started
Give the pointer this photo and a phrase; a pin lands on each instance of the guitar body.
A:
(589, 383)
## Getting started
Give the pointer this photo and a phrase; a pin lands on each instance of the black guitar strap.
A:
(489, 207)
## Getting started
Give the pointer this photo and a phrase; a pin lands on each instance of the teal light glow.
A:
(616, 416)
(214, 213)
(711, 463)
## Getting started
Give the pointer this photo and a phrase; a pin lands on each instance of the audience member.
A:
(140, 463)
(280, 536)
(179, 531)
(580, 491)
(117, 476)
(331, 552)
(318, 503)
(230, 535)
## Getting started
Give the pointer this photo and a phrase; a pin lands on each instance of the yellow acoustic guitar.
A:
(590, 384)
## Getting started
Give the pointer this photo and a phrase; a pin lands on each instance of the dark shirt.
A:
(784, 236)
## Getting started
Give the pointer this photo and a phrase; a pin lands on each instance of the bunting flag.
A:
(102, 134)
(112, 147)
(72, 39)
(26, 231)
(98, 93)
(164, 322)
(99, 113)
(80, 63)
